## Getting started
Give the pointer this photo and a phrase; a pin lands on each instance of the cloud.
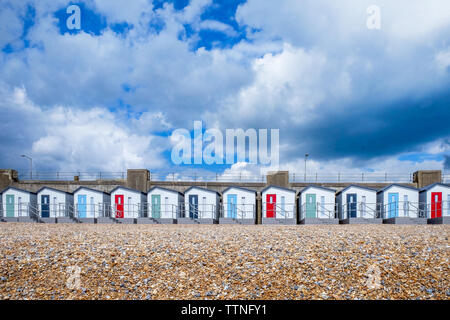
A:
(447, 163)
(67, 139)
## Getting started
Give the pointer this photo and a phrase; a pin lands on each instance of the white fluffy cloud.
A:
(73, 139)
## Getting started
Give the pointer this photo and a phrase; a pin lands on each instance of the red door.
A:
(436, 205)
(271, 200)
(119, 205)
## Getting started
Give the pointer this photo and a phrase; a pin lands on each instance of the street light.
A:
(306, 157)
(31, 165)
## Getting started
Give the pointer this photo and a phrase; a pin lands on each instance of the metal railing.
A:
(206, 177)
(279, 211)
(320, 210)
(343, 177)
(163, 211)
(55, 210)
(15, 210)
(405, 209)
(91, 211)
(360, 209)
(238, 211)
(70, 175)
(202, 211)
(431, 210)
(125, 211)
(202, 176)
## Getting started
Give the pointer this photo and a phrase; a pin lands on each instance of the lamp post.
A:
(31, 165)
(306, 157)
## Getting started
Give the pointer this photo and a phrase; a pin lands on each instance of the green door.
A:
(156, 206)
(10, 206)
(311, 206)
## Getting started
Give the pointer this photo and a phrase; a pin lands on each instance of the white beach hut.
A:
(164, 205)
(54, 203)
(238, 206)
(357, 202)
(317, 204)
(127, 204)
(278, 205)
(435, 201)
(18, 204)
(201, 205)
(90, 204)
(398, 201)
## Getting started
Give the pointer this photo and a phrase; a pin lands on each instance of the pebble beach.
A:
(93, 261)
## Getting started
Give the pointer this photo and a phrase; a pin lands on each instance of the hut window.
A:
(129, 204)
(54, 205)
(363, 205)
(92, 205)
(448, 204)
(166, 203)
(405, 205)
(322, 207)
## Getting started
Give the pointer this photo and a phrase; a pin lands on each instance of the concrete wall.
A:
(138, 179)
(279, 178)
(426, 177)
(141, 180)
(7, 178)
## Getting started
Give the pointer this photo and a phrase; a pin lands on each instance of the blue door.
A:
(193, 206)
(392, 205)
(45, 206)
(232, 206)
(82, 206)
(351, 205)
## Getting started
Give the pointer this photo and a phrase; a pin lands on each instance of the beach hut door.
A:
(119, 205)
(311, 206)
(232, 206)
(45, 206)
(271, 202)
(351, 205)
(193, 206)
(436, 205)
(82, 206)
(9, 205)
(393, 205)
(156, 206)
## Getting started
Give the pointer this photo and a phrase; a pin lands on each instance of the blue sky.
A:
(108, 97)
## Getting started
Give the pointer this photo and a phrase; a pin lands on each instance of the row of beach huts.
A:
(235, 205)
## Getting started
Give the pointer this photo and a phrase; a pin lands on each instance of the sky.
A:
(109, 96)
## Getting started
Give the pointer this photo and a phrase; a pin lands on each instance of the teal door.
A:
(392, 205)
(232, 206)
(82, 206)
(10, 206)
(311, 206)
(156, 206)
